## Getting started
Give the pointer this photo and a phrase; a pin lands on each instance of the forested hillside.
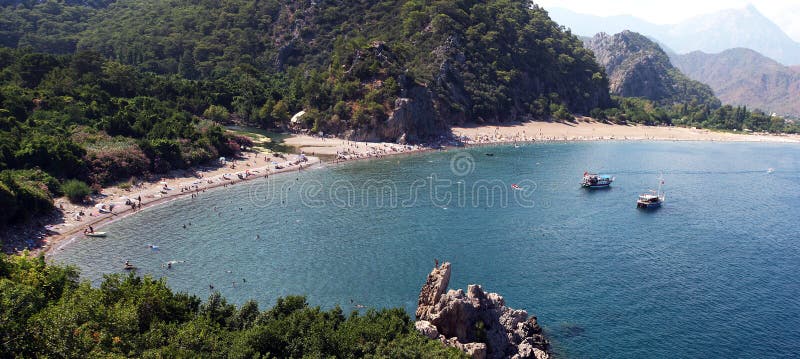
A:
(348, 62)
(46, 25)
(87, 118)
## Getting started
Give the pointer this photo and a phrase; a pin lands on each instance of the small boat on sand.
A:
(96, 234)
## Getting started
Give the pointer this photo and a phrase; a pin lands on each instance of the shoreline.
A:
(587, 129)
(68, 227)
(176, 184)
(55, 240)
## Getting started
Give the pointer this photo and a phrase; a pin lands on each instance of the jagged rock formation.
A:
(478, 323)
(638, 67)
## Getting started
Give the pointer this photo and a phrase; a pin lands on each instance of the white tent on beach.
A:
(296, 117)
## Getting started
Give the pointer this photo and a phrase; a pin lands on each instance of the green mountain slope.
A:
(47, 26)
(443, 61)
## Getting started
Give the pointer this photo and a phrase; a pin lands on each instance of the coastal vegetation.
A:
(46, 312)
(83, 117)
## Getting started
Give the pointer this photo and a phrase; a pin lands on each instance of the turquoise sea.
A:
(714, 273)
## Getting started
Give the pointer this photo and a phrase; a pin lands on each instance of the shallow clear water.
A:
(714, 273)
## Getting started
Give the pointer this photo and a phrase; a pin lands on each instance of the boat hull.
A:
(653, 205)
(596, 186)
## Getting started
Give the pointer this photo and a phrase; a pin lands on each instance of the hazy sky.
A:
(785, 13)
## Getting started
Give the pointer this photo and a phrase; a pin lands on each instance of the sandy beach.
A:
(344, 150)
(114, 202)
(587, 129)
(47, 234)
(50, 233)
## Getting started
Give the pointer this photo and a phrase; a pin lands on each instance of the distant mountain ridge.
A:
(744, 27)
(745, 77)
(638, 67)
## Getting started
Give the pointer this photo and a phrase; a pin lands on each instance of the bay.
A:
(713, 273)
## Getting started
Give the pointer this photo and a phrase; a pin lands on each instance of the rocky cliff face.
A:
(413, 117)
(638, 67)
(476, 322)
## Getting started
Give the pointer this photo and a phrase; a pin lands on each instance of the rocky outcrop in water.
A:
(478, 323)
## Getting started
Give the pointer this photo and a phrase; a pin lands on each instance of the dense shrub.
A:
(216, 113)
(75, 190)
(46, 312)
(111, 161)
(24, 194)
(8, 203)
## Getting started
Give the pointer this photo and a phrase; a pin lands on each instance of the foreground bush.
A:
(25, 194)
(46, 312)
(75, 190)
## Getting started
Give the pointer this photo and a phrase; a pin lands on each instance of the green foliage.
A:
(8, 201)
(75, 190)
(25, 194)
(216, 113)
(45, 312)
(84, 117)
(490, 59)
(643, 111)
